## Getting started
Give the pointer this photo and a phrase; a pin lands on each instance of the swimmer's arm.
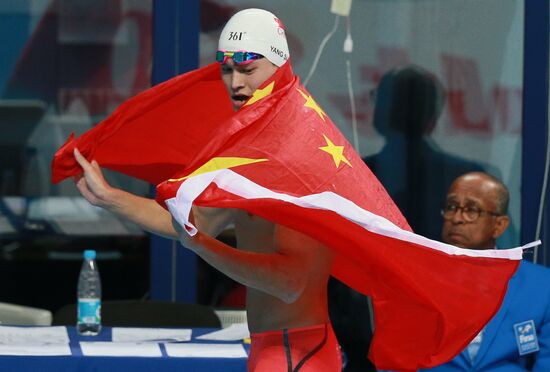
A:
(282, 274)
(145, 212)
(212, 221)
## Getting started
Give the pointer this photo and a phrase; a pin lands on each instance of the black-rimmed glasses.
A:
(469, 213)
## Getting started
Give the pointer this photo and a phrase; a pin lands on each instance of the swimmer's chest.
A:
(253, 233)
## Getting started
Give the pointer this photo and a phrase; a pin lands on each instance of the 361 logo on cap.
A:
(233, 35)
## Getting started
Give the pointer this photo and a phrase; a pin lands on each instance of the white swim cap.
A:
(257, 31)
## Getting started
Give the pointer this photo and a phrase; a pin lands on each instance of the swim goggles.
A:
(240, 57)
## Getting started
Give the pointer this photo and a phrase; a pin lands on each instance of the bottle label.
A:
(89, 311)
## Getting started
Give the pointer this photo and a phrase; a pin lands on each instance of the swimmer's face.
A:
(242, 80)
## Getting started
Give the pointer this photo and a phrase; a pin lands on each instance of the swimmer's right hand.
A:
(91, 183)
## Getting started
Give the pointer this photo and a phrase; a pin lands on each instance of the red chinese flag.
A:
(151, 136)
(280, 157)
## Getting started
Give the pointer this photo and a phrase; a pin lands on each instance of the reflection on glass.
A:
(414, 170)
(65, 66)
(77, 61)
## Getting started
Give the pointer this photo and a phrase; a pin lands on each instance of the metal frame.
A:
(535, 121)
(176, 27)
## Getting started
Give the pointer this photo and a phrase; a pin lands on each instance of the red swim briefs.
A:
(305, 349)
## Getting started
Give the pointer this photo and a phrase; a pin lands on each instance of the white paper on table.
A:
(235, 332)
(196, 350)
(133, 349)
(33, 335)
(45, 349)
(129, 334)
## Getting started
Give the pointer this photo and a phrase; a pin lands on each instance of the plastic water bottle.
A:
(89, 297)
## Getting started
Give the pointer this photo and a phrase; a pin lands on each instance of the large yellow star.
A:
(260, 94)
(337, 152)
(310, 102)
(219, 163)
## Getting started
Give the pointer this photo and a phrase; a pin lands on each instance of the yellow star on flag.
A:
(260, 94)
(310, 102)
(337, 152)
(219, 163)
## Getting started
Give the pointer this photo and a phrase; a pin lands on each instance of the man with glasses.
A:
(474, 215)
(518, 337)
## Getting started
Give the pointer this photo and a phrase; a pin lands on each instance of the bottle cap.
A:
(89, 254)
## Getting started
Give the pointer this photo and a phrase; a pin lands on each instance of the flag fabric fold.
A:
(144, 137)
(280, 157)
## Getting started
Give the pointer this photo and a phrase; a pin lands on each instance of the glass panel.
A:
(65, 66)
(451, 101)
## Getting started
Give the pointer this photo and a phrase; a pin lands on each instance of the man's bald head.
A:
(475, 211)
(489, 184)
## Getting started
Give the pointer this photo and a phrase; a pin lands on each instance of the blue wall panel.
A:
(535, 120)
(175, 50)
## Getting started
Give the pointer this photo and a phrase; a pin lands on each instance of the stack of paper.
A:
(34, 341)
(127, 349)
(137, 342)
(235, 332)
(196, 350)
(128, 334)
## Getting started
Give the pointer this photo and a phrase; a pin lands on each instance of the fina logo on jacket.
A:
(526, 337)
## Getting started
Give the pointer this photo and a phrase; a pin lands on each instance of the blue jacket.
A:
(528, 298)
